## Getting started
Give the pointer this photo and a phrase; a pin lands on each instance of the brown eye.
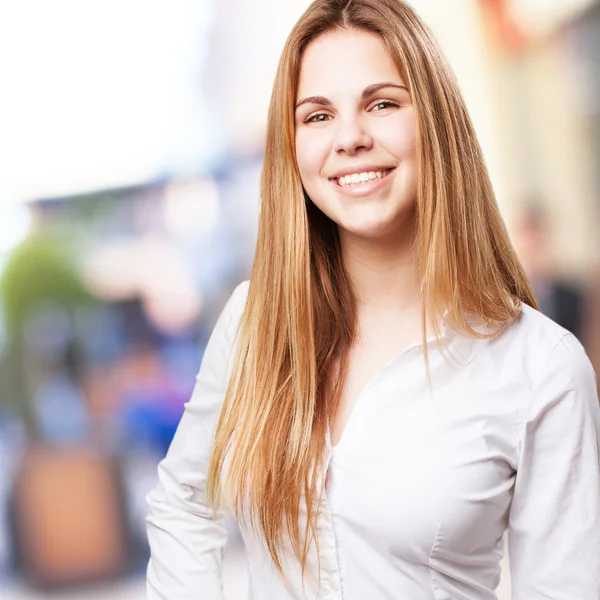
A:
(384, 104)
(317, 118)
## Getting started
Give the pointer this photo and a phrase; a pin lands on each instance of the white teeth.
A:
(359, 178)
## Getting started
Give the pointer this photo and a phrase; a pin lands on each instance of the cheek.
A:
(311, 154)
(400, 140)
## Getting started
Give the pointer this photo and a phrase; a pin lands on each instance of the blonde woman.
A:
(382, 400)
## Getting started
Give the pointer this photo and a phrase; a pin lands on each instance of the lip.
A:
(363, 189)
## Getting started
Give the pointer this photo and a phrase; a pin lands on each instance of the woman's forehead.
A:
(345, 61)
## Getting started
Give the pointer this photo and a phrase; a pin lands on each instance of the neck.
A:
(383, 272)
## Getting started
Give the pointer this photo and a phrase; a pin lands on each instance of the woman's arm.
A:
(186, 540)
(554, 526)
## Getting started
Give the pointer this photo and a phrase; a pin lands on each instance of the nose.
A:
(351, 136)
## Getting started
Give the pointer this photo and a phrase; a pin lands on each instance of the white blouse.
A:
(423, 483)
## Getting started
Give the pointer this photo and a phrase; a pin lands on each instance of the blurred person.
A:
(382, 400)
(560, 300)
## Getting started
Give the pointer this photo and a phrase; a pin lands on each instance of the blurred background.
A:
(131, 138)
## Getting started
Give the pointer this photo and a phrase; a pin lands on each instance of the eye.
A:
(382, 104)
(316, 118)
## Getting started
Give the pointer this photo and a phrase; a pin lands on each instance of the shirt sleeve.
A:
(187, 540)
(554, 522)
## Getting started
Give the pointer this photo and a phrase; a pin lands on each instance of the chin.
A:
(378, 226)
(370, 231)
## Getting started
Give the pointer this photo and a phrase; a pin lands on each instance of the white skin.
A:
(339, 131)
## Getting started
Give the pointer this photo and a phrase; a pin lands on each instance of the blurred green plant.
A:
(39, 271)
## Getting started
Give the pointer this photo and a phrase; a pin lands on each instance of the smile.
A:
(362, 184)
(362, 178)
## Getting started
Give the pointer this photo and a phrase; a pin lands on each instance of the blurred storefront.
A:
(545, 60)
(108, 304)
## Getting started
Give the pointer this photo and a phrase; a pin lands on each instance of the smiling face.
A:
(356, 135)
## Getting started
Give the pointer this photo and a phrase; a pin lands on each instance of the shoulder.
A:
(529, 346)
(533, 327)
(225, 329)
(563, 400)
(219, 351)
(534, 339)
(559, 361)
(239, 297)
(234, 308)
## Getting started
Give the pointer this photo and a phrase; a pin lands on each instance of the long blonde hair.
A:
(300, 316)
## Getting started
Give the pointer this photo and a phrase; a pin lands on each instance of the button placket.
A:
(330, 576)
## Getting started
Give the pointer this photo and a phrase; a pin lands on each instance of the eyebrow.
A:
(366, 93)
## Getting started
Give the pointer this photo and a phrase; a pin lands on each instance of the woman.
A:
(382, 400)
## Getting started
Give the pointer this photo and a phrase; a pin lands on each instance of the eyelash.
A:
(388, 103)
